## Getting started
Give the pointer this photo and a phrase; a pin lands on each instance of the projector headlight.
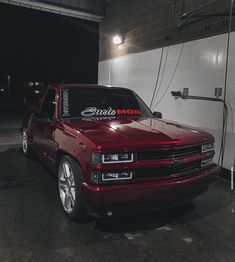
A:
(117, 158)
(207, 147)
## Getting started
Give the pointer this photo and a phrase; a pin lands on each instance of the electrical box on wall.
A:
(218, 91)
(185, 91)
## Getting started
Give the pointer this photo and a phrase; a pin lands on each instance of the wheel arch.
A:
(79, 209)
(60, 153)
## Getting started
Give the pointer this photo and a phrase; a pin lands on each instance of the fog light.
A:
(116, 176)
(206, 162)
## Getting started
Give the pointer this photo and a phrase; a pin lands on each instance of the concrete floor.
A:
(10, 122)
(33, 226)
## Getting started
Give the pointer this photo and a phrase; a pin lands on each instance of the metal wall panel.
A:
(201, 68)
(91, 6)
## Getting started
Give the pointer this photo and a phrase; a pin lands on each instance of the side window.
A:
(49, 103)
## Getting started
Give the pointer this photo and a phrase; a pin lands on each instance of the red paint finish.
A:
(80, 137)
(142, 192)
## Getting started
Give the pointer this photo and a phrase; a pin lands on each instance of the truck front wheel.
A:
(69, 181)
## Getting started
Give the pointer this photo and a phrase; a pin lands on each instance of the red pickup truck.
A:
(112, 155)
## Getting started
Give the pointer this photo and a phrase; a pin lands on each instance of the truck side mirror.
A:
(41, 118)
(157, 115)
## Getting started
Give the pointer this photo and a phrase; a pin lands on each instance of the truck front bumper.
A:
(150, 195)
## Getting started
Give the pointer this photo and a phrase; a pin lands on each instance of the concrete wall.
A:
(198, 65)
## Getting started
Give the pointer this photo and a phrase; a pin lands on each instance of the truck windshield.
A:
(101, 102)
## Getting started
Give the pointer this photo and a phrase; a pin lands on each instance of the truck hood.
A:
(129, 133)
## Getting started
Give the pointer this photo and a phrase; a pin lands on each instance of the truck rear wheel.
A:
(70, 179)
(25, 145)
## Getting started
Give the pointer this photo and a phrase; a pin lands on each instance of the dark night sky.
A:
(46, 47)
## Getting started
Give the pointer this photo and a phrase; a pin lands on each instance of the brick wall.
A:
(150, 24)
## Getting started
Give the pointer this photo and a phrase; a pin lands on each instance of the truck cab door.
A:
(44, 125)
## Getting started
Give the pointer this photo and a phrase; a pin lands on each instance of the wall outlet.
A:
(186, 91)
(218, 91)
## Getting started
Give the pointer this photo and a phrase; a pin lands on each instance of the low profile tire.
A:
(25, 145)
(70, 179)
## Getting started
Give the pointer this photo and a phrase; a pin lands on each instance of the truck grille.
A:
(167, 154)
(166, 171)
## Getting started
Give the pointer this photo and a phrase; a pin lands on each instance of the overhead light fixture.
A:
(118, 40)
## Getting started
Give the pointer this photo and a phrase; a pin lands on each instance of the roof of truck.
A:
(84, 86)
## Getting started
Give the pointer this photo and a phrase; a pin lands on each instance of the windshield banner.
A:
(93, 111)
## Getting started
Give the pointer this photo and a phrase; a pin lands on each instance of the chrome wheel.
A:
(25, 143)
(67, 187)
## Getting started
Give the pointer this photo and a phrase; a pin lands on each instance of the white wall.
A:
(201, 68)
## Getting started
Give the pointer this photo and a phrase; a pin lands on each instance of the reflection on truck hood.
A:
(136, 132)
